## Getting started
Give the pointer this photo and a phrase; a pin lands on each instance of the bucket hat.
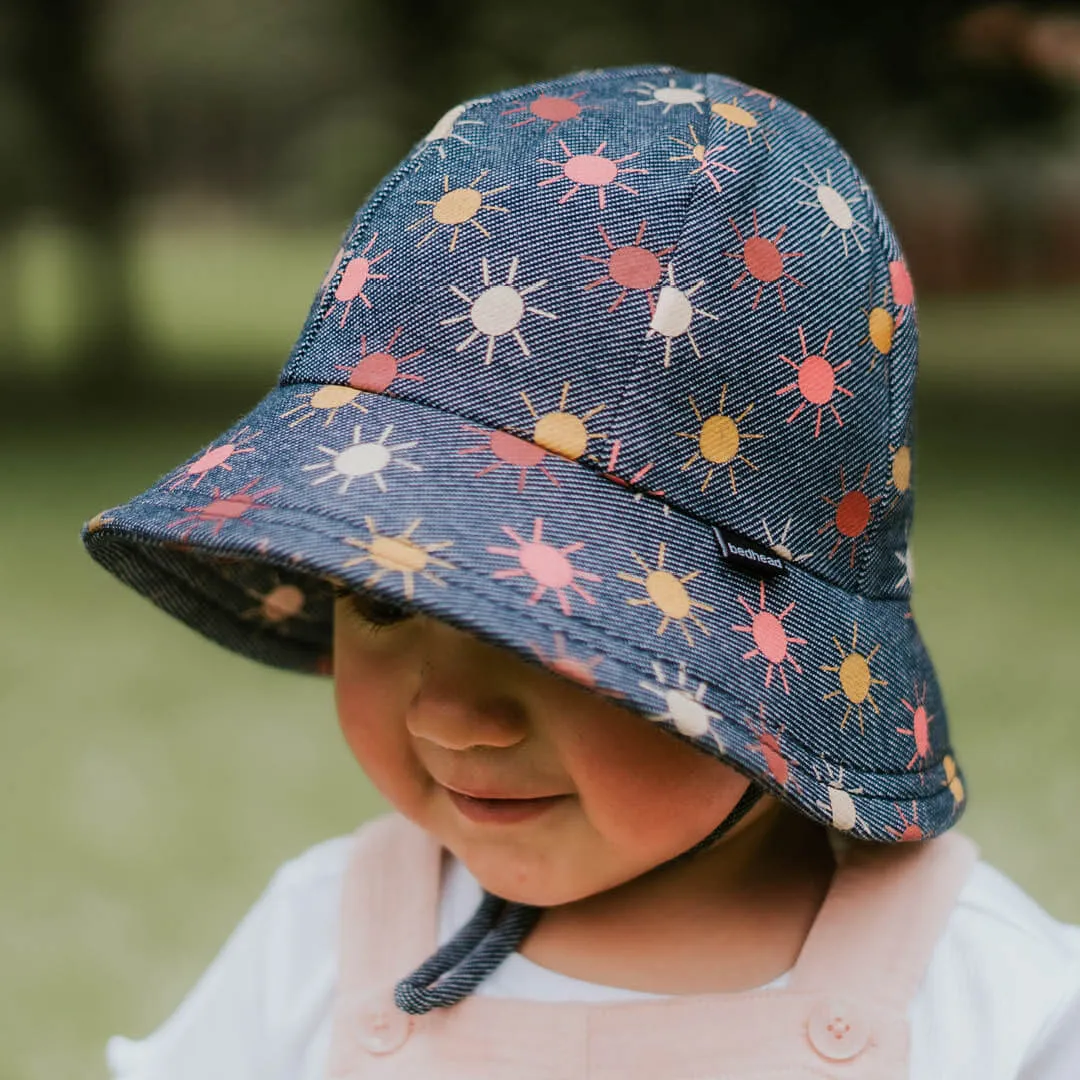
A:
(616, 371)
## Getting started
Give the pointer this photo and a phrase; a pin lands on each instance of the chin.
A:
(534, 894)
(522, 881)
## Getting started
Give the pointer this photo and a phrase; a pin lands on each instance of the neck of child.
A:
(732, 917)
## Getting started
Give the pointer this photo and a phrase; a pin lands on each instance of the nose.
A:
(458, 704)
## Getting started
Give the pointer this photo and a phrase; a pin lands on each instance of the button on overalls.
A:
(843, 1013)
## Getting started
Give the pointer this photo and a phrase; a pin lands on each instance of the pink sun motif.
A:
(816, 381)
(225, 508)
(555, 110)
(354, 280)
(920, 725)
(217, 457)
(630, 267)
(376, 371)
(911, 832)
(763, 260)
(282, 603)
(509, 449)
(903, 289)
(590, 170)
(770, 639)
(768, 745)
(570, 667)
(548, 566)
(630, 481)
(853, 512)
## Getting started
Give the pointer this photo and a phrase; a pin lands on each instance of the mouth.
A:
(502, 809)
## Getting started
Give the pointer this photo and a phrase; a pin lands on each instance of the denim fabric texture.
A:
(582, 325)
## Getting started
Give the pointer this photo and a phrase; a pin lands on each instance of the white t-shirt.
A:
(1000, 999)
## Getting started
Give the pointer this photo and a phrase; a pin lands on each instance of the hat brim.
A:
(828, 698)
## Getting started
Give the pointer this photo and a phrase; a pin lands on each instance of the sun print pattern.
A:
(457, 207)
(718, 440)
(667, 592)
(497, 311)
(771, 639)
(591, 170)
(401, 554)
(548, 566)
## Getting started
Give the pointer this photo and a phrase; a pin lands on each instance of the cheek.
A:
(648, 794)
(371, 688)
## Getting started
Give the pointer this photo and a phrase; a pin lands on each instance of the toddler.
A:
(589, 481)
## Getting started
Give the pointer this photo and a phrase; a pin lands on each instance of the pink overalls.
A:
(842, 1015)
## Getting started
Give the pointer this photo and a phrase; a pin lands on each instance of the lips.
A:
(502, 810)
(490, 794)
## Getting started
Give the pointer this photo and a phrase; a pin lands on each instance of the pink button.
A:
(383, 1027)
(837, 1031)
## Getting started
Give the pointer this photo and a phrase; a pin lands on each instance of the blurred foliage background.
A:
(174, 181)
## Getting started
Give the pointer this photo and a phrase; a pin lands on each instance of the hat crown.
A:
(677, 280)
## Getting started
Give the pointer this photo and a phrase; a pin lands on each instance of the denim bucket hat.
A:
(616, 371)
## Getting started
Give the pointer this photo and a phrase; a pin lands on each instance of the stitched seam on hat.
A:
(596, 469)
(854, 776)
(726, 689)
(640, 360)
(408, 162)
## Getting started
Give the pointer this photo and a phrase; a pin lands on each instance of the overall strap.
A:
(882, 918)
(389, 925)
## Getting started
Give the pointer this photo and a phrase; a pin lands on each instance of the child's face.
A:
(423, 705)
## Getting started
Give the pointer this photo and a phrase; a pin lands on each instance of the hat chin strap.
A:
(496, 930)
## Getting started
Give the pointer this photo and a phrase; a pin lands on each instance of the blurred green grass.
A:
(154, 781)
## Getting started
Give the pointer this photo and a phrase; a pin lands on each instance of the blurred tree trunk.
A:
(79, 172)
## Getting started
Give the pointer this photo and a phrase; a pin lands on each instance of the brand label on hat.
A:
(746, 554)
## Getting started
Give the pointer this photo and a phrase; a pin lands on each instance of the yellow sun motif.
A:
(855, 678)
(457, 207)
(326, 399)
(718, 440)
(668, 593)
(561, 432)
(733, 113)
(399, 553)
(956, 785)
(702, 155)
(900, 472)
(98, 521)
(880, 327)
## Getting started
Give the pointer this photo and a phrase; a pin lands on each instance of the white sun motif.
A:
(841, 806)
(670, 95)
(446, 128)
(685, 709)
(837, 210)
(905, 559)
(497, 311)
(779, 543)
(361, 458)
(674, 314)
